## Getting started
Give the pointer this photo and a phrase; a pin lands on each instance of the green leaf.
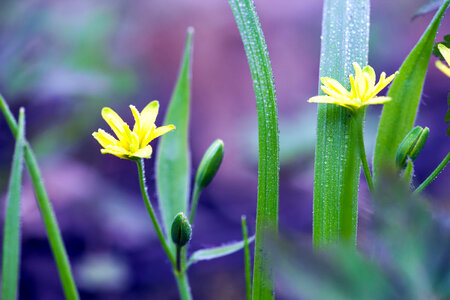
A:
(345, 36)
(216, 252)
(399, 115)
(172, 161)
(11, 237)
(48, 216)
(268, 141)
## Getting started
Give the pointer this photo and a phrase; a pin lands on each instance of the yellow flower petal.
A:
(377, 100)
(445, 52)
(104, 138)
(443, 68)
(145, 152)
(334, 85)
(162, 130)
(137, 119)
(330, 100)
(369, 71)
(148, 115)
(114, 121)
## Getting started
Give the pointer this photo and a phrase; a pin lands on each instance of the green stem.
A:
(183, 285)
(151, 212)
(46, 209)
(362, 151)
(178, 258)
(195, 195)
(248, 278)
(11, 237)
(433, 175)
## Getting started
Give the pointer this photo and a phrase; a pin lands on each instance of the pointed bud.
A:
(181, 230)
(210, 164)
(411, 146)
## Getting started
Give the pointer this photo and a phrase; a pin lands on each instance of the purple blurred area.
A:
(65, 60)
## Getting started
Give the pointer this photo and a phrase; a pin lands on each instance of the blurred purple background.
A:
(64, 61)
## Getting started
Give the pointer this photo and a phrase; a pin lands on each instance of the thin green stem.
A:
(11, 236)
(433, 175)
(195, 195)
(151, 212)
(248, 277)
(362, 151)
(178, 258)
(46, 209)
(183, 285)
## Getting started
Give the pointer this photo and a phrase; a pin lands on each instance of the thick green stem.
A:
(183, 285)
(433, 175)
(345, 32)
(46, 209)
(151, 212)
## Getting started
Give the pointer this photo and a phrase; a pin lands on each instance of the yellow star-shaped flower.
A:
(363, 89)
(446, 54)
(131, 144)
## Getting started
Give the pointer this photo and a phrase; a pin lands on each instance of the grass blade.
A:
(248, 272)
(216, 252)
(11, 237)
(172, 161)
(48, 216)
(345, 36)
(399, 115)
(268, 162)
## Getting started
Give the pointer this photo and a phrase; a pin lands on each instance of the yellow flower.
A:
(363, 89)
(446, 54)
(131, 144)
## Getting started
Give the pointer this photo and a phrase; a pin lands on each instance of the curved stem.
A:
(362, 151)
(195, 196)
(433, 175)
(48, 215)
(151, 212)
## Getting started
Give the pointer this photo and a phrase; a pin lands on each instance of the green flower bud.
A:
(210, 164)
(411, 146)
(181, 230)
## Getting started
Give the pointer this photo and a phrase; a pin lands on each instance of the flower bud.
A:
(181, 230)
(411, 146)
(210, 164)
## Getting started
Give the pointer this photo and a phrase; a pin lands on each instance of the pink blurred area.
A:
(64, 61)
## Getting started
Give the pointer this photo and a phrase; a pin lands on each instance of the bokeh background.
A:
(65, 60)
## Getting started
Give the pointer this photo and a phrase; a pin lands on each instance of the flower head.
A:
(131, 144)
(446, 54)
(363, 89)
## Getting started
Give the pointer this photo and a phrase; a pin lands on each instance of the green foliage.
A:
(173, 161)
(445, 42)
(216, 252)
(403, 255)
(398, 115)
(48, 216)
(268, 161)
(345, 36)
(411, 146)
(11, 237)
